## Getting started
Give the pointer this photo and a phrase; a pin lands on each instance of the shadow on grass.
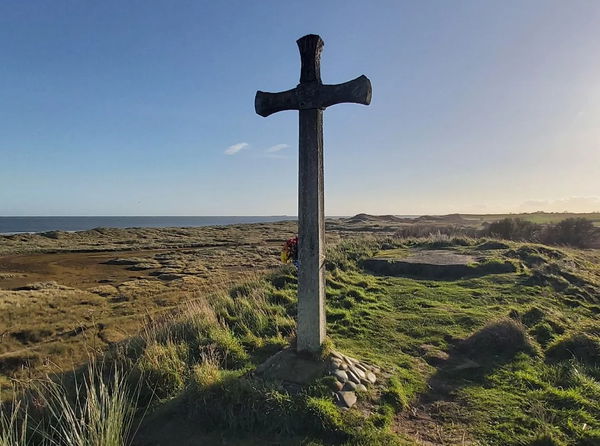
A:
(432, 271)
(472, 359)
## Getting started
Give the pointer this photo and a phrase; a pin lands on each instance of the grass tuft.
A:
(584, 346)
(502, 338)
(13, 425)
(97, 411)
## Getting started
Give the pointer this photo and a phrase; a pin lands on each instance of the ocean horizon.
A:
(33, 224)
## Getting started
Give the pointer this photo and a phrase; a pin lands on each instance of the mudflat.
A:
(66, 295)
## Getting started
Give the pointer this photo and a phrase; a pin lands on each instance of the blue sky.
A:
(147, 107)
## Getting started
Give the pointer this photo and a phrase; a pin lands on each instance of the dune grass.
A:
(503, 359)
(13, 425)
(96, 407)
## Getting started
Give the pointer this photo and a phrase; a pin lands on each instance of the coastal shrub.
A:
(578, 232)
(512, 229)
(440, 240)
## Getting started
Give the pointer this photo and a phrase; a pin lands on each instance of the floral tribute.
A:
(290, 252)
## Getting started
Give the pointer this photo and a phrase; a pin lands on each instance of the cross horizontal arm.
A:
(314, 95)
(356, 91)
(266, 104)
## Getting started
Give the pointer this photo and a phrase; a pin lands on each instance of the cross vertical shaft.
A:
(311, 233)
(311, 97)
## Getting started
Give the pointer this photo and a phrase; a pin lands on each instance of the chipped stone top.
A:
(434, 257)
(434, 264)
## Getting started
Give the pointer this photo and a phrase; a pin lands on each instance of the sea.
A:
(15, 225)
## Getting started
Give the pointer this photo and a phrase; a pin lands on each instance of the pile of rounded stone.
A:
(351, 375)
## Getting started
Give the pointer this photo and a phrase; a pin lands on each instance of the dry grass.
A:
(65, 305)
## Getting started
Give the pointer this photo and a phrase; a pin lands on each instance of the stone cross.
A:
(311, 97)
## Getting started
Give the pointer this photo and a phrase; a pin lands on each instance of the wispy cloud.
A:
(232, 150)
(277, 148)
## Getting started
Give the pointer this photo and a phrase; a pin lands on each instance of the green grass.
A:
(95, 408)
(397, 316)
(503, 359)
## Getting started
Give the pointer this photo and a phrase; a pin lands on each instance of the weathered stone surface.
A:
(347, 399)
(350, 360)
(371, 377)
(341, 375)
(336, 386)
(353, 377)
(361, 388)
(311, 97)
(287, 365)
(350, 374)
(350, 386)
(358, 372)
(435, 264)
(337, 355)
(361, 367)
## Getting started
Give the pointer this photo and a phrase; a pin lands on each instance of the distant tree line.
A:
(578, 232)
